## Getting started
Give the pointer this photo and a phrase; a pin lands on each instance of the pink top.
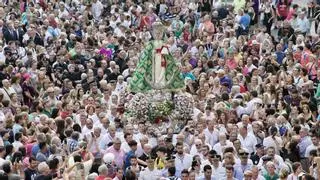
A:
(290, 14)
(119, 155)
(232, 64)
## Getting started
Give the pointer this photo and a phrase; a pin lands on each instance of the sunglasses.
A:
(243, 154)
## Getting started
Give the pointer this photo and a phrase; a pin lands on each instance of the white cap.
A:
(108, 158)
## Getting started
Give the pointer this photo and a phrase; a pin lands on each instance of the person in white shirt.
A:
(303, 23)
(107, 139)
(6, 90)
(17, 143)
(245, 121)
(222, 144)
(94, 139)
(207, 174)
(2, 155)
(273, 140)
(2, 56)
(279, 163)
(196, 148)
(125, 146)
(150, 172)
(88, 127)
(112, 113)
(96, 9)
(313, 146)
(297, 169)
(103, 124)
(211, 133)
(215, 162)
(121, 84)
(256, 173)
(248, 140)
(252, 103)
(182, 160)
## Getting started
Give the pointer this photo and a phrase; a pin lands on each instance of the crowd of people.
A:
(250, 65)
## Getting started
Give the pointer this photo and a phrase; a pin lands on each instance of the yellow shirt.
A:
(159, 163)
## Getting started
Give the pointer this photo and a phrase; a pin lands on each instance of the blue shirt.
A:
(226, 79)
(280, 56)
(127, 162)
(245, 21)
(35, 149)
(304, 143)
(238, 174)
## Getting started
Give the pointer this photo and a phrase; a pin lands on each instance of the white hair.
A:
(102, 169)
(42, 167)
(92, 176)
(84, 76)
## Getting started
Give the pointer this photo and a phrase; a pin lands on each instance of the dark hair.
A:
(130, 175)
(17, 136)
(126, 135)
(95, 165)
(132, 143)
(162, 149)
(306, 95)
(185, 171)
(53, 163)
(133, 157)
(60, 126)
(172, 171)
(9, 149)
(6, 167)
(77, 158)
(254, 93)
(23, 151)
(76, 127)
(16, 157)
(207, 167)
(2, 148)
(17, 118)
(179, 144)
(295, 166)
(225, 96)
(42, 145)
(230, 167)
(32, 159)
(68, 132)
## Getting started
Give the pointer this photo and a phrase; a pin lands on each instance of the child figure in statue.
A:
(156, 70)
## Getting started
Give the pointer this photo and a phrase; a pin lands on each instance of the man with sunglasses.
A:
(245, 163)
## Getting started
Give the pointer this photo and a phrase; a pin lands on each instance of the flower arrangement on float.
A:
(160, 105)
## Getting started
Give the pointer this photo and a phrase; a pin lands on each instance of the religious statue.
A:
(157, 69)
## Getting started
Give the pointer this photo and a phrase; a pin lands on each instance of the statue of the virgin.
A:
(156, 69)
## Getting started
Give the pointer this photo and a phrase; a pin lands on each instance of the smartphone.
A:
(61, 171)
(92, 135)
